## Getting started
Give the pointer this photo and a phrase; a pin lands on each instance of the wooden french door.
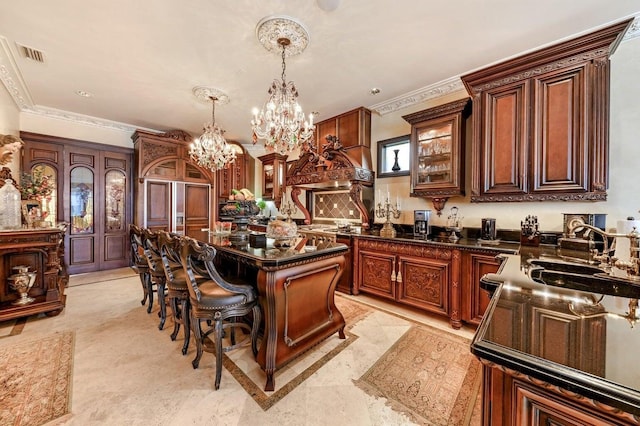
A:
(93, 194)
(98, 209)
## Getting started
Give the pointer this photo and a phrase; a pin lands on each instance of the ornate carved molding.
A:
(405, 247)
(525, 75)
(152, 151)
(433, 91)
(585, 196)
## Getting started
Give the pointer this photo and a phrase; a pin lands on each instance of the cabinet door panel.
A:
(559, 144)
(196, 210)
(424, 283)
(375, 272)
(474, 299)
(158, 205)
(505, 139)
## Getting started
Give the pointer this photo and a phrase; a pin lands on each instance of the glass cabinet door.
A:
(434, 154)
(437, 151)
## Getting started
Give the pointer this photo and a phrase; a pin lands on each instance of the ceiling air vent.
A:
(31, 53)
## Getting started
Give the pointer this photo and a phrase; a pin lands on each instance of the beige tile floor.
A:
(127, 372)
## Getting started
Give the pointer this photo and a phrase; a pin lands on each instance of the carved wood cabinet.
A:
(42, 250)
(274, 173)
(512, 398)
(413, 274)
(171, 192)
(235, 175)
(352, 128)
(437, 151)
(540, 122)
(475, 300)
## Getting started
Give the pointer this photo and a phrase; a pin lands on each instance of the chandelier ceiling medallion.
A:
(211, 150)
(281, 122)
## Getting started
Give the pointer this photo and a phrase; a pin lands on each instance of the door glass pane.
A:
(434, 154)
(82, 192)
(44, 178)
(115, 183)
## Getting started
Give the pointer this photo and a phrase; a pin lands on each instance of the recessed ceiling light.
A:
(374, 91)
(84, 94)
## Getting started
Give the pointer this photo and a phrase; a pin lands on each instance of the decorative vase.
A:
(396, 166)
(21, 282)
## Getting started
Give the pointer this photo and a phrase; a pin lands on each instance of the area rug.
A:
(429, 375)
(35, 380)
(300, 369)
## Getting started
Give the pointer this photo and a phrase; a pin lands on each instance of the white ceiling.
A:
(141, 59)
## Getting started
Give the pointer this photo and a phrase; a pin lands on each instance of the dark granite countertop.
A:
(594, 354)
(463, 243)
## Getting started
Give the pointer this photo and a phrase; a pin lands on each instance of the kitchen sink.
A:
(595, 283)
(567, 267)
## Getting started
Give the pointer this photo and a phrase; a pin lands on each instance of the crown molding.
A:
(437, 90)
(12, 79)
(634, 29)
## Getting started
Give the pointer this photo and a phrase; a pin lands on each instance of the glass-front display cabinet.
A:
(437, 151)
(273, 177)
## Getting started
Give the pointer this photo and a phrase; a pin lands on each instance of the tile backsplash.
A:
(333, 205)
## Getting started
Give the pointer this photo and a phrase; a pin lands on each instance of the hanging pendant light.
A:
(211, 150)
(281, 123)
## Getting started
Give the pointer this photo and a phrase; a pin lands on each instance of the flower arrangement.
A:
(35, 186)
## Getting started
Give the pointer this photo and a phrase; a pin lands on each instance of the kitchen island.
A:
(558, 345)
(296, 292)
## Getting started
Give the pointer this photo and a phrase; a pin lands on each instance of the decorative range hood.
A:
(335, 167)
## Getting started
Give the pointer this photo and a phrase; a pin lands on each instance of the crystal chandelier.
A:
(211, 150)
(281, 122)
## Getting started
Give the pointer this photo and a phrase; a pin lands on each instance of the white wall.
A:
(45, 125)
(10, 125)
(623, 199)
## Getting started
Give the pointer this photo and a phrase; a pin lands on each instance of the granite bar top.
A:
(599, 345)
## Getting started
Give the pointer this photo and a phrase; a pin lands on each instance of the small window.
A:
(393, 156)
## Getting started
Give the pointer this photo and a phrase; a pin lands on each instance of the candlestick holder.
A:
(387, 211)
(288, 209)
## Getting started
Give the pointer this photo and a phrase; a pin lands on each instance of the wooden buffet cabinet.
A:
(540, 122)
(442, 279)
(43, 251)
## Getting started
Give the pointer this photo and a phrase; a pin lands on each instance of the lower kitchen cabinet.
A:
(476, 300)
(512, 398)
(418, 275)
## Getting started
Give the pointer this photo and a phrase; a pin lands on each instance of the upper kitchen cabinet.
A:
(437, 151)
(235, 175)
(352, 128)
(541, 122)
(273, 176)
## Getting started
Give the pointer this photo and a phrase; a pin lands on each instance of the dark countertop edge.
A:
(468, 244)
(571, 379)
(284, 261)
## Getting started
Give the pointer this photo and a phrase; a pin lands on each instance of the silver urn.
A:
(21, 282)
